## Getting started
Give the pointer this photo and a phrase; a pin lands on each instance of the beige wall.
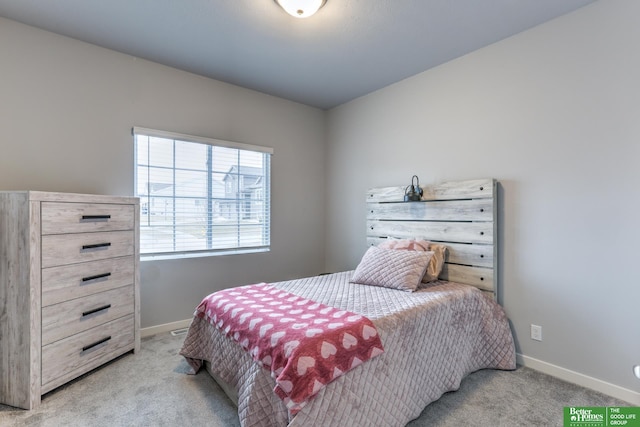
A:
(66, 112)
(554, 114)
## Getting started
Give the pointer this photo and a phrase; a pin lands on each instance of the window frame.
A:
(265, 227)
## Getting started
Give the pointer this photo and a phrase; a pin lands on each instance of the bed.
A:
(433, 336)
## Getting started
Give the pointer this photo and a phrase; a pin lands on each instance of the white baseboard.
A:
(167, 327)
(633, 397)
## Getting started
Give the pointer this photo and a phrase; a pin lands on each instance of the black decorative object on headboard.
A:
(413, 192)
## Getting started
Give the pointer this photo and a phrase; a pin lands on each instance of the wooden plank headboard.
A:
(460, 214)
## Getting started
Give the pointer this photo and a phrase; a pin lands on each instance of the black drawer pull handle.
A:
(90, 346)
(95, 217)
(95, 310)
(96, 246)
(97, 276)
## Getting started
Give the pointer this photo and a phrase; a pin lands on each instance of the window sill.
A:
(204, 254)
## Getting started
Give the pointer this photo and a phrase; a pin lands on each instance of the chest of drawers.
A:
(69, 288)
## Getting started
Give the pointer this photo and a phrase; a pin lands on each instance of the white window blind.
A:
(200, 195)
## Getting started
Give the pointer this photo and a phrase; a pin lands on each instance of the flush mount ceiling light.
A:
(301, 8)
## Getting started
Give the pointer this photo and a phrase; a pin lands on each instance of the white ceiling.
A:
(348, 49)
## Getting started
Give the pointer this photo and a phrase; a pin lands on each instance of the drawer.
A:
(63, 249)
(77, 315)
(61, 218)
(69, 354)
(78, 280)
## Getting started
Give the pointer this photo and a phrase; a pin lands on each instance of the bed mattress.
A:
(433, 338)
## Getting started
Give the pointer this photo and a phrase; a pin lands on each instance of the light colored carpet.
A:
(151, 389)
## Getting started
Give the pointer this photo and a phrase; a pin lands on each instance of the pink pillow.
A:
(405, 244)
(393, 269)
(437, 260)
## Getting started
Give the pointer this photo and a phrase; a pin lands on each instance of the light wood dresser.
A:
(69, 288)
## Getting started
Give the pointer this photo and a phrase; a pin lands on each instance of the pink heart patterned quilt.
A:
(304, 344)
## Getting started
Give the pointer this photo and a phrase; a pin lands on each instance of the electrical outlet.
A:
(536, 332)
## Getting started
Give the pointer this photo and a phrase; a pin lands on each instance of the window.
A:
(200, 195)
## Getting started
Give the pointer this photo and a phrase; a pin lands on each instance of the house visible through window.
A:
(200, 195)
